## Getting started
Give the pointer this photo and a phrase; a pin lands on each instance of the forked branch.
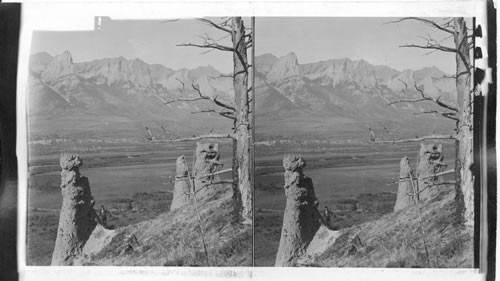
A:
(424, 97)
(227, 114)
(449, 115)
(442, 27)
(201, 96)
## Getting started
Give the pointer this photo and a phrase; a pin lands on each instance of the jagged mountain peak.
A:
(286, 66)
(60, 65)
(346, 87)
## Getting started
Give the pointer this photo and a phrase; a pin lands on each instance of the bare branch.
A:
(227, 114)
(431, 46)
(417, 139)
(209, 46)
(194, 138)
(200, 97)
(440, 174)
(453, 76)
(441, 27)
(203, 176)
(183, 99)
(449, 115)
(218, 26)
(424, 98)
(426, 177)
(213, 99)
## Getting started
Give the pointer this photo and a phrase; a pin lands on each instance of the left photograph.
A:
(140, 144)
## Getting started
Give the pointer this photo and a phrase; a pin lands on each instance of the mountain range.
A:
(119, 96)
(351, 94)
(116, 93)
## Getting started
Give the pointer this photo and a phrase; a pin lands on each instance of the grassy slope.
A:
(173, 238)
(395, 240)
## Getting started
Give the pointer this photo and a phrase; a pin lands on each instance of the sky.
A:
(311, 39)
(149, 40)
(371, 39)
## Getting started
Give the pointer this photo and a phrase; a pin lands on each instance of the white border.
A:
(80, 16)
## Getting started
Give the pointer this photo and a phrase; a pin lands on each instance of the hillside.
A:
(395, 240)
(174, 239)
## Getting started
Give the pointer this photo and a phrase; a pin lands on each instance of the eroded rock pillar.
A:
(430, 162)
(404, 200)
(77, 219)
(182, 192)
(301, 219)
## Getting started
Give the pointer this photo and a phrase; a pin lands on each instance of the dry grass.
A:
(396, 240)
(173, 238)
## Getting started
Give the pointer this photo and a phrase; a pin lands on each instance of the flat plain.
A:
(132, 180)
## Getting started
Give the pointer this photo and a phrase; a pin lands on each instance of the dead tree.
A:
(461, 113)
(239, 112)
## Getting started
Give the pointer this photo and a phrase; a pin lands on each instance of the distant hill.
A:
(344, 94)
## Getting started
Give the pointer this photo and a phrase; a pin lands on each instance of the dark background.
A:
(9, 44)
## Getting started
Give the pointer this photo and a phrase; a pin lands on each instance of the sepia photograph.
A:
(139, 144)
(363, 142)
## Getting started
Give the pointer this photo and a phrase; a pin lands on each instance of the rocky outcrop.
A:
(301, 219)
(59, 66)
(430, 162)
(403, 200)
(182, 192)
(207, 162)
(77, 219)
(286, 66)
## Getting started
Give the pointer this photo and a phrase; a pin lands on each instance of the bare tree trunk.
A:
(464, 177)
(242, 133)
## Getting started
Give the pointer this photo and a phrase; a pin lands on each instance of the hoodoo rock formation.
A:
(77, 219)
(301, 219)
(207, 162)
(403, 199)
(430, 162)
(182, 192)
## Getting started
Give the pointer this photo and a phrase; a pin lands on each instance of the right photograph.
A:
(364, 142)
